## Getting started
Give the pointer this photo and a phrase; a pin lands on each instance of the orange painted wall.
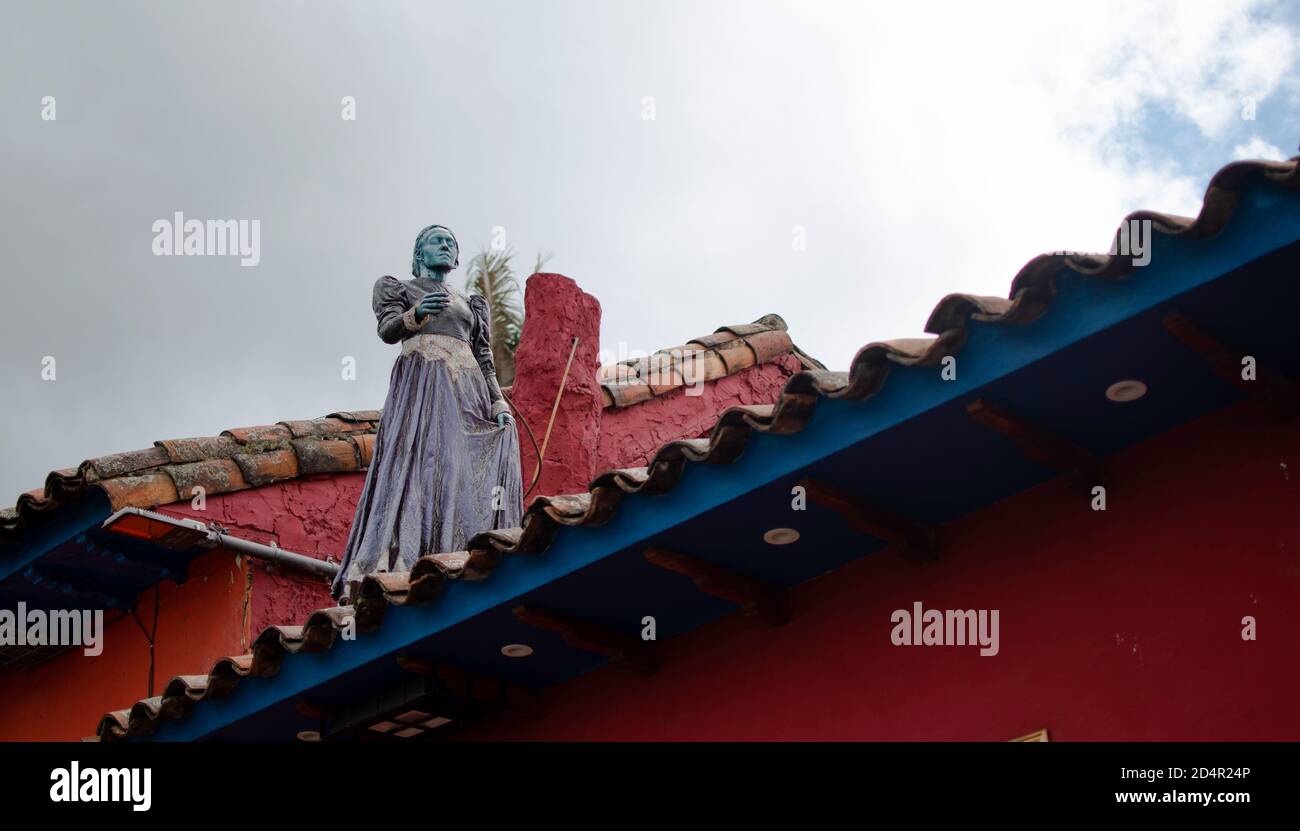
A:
(199, 621)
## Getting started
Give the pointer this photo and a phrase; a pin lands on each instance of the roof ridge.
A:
(235, 459)
(726, 351)
(1032, 292)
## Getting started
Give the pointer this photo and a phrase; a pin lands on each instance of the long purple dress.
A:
(442, 469)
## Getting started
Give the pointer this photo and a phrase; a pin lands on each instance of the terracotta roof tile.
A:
(213, 475)
(704, 366)
(768, 345)
(737, 354)
(200, 449)
(716, 339)
(238, 458)
(133, 461)
(265, 468)
(669, 378)
(318, 427)
(615, 372)
(366, 448)
(264, 436)
(627, 394)
(764, 323)
(728, 350)
(325, 456)
(357, 415)
(148, 490)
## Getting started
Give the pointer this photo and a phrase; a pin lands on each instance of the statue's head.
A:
(435, 250)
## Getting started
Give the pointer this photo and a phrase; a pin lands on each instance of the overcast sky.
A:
(669, 155)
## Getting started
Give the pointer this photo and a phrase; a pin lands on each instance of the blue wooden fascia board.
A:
(61, 526)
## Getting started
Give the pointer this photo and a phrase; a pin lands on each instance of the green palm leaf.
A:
(491, 275)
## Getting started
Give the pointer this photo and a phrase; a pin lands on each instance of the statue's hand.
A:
(504, 418)
(432, 303)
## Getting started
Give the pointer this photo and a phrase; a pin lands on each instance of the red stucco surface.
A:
(630, 436)
(557, 311)
(310, 516)
(199, 622)
(1123, 624)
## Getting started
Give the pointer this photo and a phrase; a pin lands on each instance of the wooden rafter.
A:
(916, 540)
(311, 709)
(768, 603)
(1039, 445)
(591, 637)
(475, 687)
(1270, 389)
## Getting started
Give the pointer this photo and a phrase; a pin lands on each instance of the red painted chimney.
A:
(555, 312)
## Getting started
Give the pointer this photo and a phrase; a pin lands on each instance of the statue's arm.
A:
(482, 344)
(396, 317)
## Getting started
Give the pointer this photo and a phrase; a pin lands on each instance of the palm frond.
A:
(540, 262)
(492, 275)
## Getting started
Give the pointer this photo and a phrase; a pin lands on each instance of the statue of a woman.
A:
(446, 459)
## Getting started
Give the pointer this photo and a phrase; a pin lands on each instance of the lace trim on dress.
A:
(454, 351)
(408, 320)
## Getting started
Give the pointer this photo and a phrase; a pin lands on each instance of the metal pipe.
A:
(192, 532)
(275, 555)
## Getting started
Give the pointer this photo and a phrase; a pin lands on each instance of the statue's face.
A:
(438, 252)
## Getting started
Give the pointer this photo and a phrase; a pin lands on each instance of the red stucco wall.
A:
(199, 622)
(557, 311)
(630, 436)
(310, 516)
(1123, 624)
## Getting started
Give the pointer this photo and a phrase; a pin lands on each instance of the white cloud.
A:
(1257, 148)
(979, 135)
